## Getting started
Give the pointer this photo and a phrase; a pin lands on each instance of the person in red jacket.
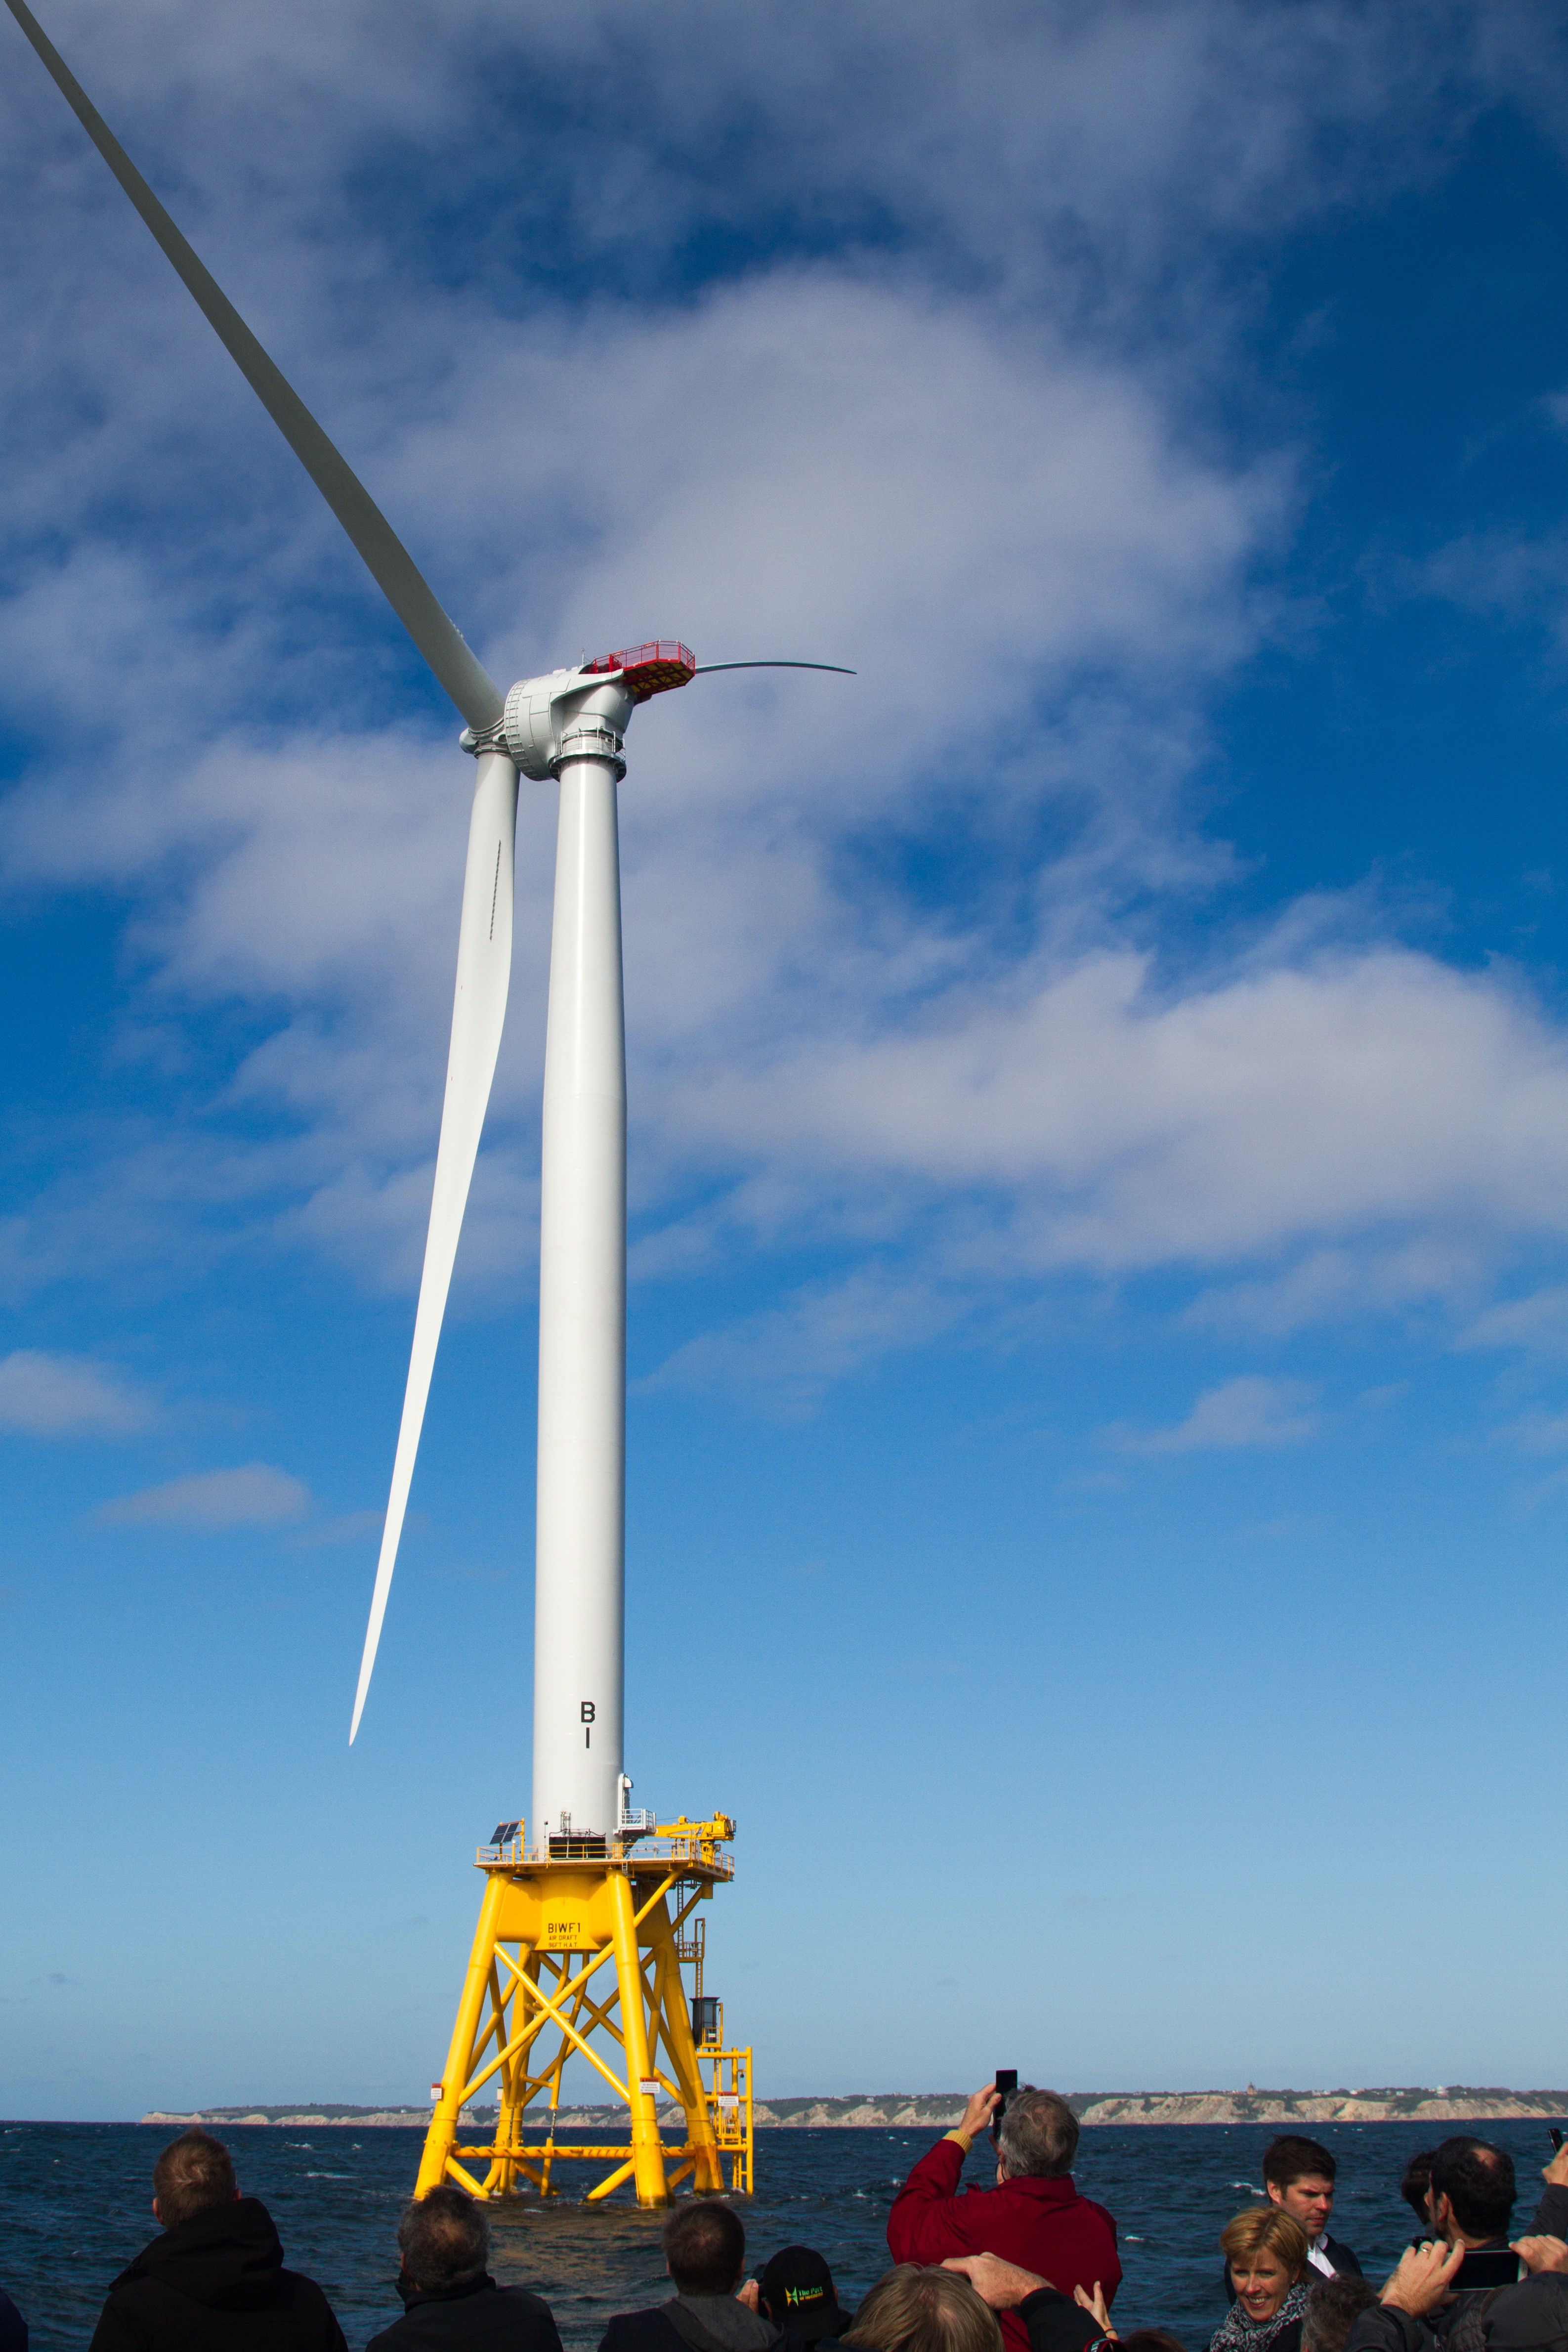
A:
(1034, 2216)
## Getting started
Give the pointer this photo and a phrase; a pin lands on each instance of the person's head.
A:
(1472, 2189)
(1267, 2249)
(1416, 2186)
(914, 2310)
(444, 2239)
(194, 2171)
(796, 2290)
(1334, 2306)
(1038, 2139)
(1299, 2175)
(704, 2247)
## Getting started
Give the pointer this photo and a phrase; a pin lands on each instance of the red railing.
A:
(649, 669)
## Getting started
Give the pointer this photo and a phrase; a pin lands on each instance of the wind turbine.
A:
(570, 724)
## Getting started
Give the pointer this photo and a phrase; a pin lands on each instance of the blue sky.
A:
(1098, 1440)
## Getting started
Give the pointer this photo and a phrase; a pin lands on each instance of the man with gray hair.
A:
(1334, 2306)
(450, 2300)
(1033, 2216)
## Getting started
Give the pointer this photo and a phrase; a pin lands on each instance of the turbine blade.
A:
(703, 668)
(387, 559)
(479, 1008)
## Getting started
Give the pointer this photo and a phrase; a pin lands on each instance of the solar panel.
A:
(505, 1832)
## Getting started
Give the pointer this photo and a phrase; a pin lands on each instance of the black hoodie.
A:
(216, 2283)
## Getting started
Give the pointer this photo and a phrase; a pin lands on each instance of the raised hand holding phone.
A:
(1424, 2276)
(979, 2111)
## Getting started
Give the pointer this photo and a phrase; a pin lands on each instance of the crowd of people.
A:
(1027, 2265)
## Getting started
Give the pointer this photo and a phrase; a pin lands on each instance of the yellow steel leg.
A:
(676, 2025)
(501, 2178)
(553, 2072)
(515, 2083)
(443, 2132)
(647, 2148)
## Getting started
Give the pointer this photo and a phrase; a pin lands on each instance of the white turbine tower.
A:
(570, 724)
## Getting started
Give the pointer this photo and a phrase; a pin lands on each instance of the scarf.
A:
(1239, 2334)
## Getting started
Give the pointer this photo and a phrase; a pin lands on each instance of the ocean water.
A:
(74, 2208)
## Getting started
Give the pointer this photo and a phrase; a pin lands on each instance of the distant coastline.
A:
(940, 2110)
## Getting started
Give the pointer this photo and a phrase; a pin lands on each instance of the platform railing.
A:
(660, 1844)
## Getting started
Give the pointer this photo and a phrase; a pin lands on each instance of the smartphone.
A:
(1007, 2084)
(1556, 2132)
(1486, 2266)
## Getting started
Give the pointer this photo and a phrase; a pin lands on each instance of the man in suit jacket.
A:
(1299, 2176)
(705, 2254)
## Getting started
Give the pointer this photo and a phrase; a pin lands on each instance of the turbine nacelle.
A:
(582, 713)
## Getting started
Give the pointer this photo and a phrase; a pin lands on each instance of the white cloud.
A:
(60, 1396)
(1003, 139)
(349, 1527)
(1250, 1411)
(989, 502)
(208, 1501)
(1538, 1322)
(1538, 1433)
(1114, 1124)
(314, 880)
(1345, 1282)
(789, 1354)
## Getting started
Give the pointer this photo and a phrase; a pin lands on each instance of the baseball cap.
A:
(797, 2288)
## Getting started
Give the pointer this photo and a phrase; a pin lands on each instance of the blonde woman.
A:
(1268, 2254)
(911, 2309)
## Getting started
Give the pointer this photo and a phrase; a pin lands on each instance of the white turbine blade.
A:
(478, 1010)
(389, 563)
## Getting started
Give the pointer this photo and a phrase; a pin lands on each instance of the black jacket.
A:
(641, 2331)
(654, 2331)
(12, 2326)
(1344, 2266)
(1529, 2317)
(481, 2315)
(1550, 2215)
(216, 2283)
(1056, 2324)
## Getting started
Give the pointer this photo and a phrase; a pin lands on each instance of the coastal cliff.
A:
(940, 2110)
